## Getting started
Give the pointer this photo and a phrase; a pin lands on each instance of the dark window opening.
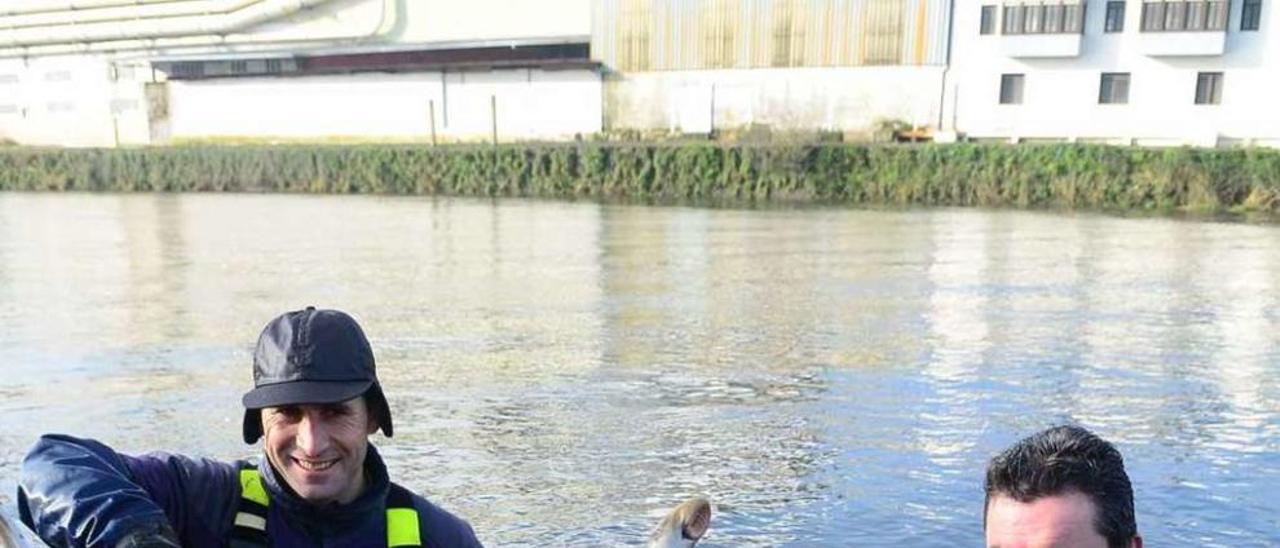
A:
(1114, 89)
(1250, 14)
(1115, 17)
(1209, 88)
(1011, 89)
(988, 25)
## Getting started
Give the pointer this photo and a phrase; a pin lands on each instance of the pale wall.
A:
(72, 101)
(1061, 94)
(531, 104)
(478, 20)
(845, 99)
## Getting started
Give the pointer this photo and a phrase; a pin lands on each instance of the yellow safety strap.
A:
(402, 523)
(402, 527)
(251, 486)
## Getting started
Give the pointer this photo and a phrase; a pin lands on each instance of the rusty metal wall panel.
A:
(643, 35)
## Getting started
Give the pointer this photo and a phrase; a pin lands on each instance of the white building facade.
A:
(1174, 72)
(139, 72)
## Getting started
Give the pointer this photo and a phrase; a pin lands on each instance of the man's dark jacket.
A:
(77, 492)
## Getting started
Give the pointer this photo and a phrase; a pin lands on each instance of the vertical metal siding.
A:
(642, 35)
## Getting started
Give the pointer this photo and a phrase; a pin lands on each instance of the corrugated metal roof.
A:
(642, 35)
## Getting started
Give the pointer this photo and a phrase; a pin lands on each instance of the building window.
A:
(57, 76)
(1115, 17)
(1184, 15)
(1053, 19)
(1043, 19)
(1074, 18)
(1196, 14)
(1209, 88)
(1250, 14)
(1217, 18)
(1114, 89)
(8, 109)
(60, 106)
(988, 25)
(1032, 21)
(1175, 16)
(1011, 88)
(1013, 19)
(8, 78)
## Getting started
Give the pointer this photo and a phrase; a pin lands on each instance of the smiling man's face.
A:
(319, 449)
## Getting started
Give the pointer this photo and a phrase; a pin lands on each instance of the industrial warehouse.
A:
(103, 73)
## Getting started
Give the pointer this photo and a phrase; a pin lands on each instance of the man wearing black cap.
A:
(315, 401)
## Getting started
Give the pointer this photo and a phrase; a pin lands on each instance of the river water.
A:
(561, 373)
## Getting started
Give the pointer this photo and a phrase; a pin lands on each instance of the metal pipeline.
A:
(255, 12)
(17, 7)
(387, 21)
(126, 13)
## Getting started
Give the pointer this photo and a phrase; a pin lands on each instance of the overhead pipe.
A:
(388, 19)
(257, 12)
(17, 7)
(125, 13)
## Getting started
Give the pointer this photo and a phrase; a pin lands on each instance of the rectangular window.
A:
(1152, 16)
(57, 76)
(1196, 12)
(1250, 14)
(1114, 89)
(1073, 20)
(60, 106)
(1217, 19)
(1175, 16)
(1013, 20)
(1033, 20)
(1011, 89)
(8, 78)
(1209, 88)
(1053, 18)
(8, 109)
(988, 25)
(1115, 17)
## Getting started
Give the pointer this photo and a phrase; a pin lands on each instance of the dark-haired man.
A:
(316, 400)
(1063, 487)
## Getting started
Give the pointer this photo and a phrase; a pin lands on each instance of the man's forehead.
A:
(1062, 520)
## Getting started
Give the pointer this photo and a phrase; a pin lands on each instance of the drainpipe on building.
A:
(942, 98)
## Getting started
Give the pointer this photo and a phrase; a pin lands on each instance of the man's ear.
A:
(373, 427)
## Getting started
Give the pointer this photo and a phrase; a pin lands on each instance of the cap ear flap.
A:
(252, 425)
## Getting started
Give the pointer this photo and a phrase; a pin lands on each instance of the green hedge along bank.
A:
(1056, 176)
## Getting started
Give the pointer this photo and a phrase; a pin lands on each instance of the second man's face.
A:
(1060, 521)
(319, 449)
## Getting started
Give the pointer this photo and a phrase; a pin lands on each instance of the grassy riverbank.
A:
(1071, 176)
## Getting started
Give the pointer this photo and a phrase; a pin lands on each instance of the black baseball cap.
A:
(312, 356)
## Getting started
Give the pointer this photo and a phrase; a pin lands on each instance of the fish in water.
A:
(684, 526)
